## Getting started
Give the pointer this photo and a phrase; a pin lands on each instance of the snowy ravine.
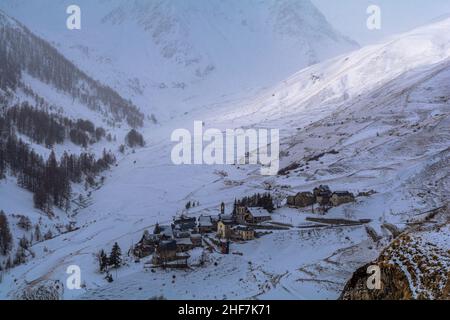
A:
(375, 119)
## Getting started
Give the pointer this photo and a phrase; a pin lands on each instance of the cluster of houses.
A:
(322, 196)
(170, 244)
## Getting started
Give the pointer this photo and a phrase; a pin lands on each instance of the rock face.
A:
(415, 266)
(394, 285)
(43, 290)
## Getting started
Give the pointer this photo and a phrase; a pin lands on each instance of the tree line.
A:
(49, 129)
(256, 201)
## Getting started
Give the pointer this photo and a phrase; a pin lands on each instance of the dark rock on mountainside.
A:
(416, 265)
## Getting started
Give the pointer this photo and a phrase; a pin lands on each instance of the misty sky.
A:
(349, 16)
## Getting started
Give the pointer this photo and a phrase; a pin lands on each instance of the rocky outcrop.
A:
(394, 285)
(42, 290)
(415, 266)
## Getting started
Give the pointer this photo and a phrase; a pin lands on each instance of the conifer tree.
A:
(5, 235)
(115, 258)
(37, 233)
(103, 261)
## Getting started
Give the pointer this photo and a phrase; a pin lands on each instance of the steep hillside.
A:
(53, 147)
(25, 58)
(352, 78)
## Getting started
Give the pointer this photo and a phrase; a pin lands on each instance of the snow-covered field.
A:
(294, 264)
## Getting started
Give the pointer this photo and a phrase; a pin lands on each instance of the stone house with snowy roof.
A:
(165, 251)
(164, 232)
(258, 215)
(184, 223)
(146, 246)
(252, 216)
(341, 197)
(205, 224)
(245, 215)
(224, 228)
(243, 233)
(184, 244)
(301, 200)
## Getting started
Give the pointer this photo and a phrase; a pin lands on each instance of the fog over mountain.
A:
(170, 55)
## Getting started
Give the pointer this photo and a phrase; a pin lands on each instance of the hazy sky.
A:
(349, 16)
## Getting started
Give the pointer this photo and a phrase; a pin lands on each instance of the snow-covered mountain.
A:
(374, 122)
(342, 80)
(172, 55)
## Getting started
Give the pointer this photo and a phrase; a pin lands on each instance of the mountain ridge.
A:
(167, 53)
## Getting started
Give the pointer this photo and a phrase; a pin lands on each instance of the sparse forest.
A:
(49, 129)
(257, 200)
(49, 180)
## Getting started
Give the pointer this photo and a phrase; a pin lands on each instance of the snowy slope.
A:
(168, 55)
(339, 81)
